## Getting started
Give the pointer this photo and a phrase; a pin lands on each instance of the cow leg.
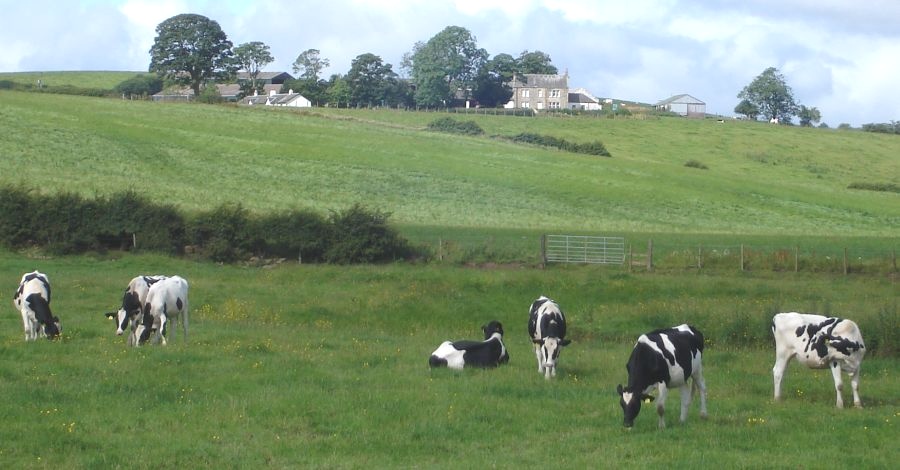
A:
(781, 362)
(537, 354)
(854, 384)
(700, 384)
(184, 323)
(685, 401)
(26, 326)
(661, 405)
(163, 324)
(838, 383)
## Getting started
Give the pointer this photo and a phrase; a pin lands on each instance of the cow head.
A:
(52, 330)
(492, 327)
(550, 348)
(121, 318)
(631, 403)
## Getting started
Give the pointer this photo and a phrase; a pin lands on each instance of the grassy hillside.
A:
(99, 80)
(761, 179)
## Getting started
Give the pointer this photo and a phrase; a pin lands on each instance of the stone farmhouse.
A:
(539, 91)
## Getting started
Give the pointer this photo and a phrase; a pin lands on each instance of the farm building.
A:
(289, 99)
(581, 99)
(684, 105)
(539, 91)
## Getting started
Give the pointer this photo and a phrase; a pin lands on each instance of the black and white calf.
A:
(32, 299)
(132, 305)
(459, 354)
(663, 359)
(166, 299)
(547, 329)
(818, 342)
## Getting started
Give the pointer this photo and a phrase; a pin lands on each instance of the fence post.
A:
(543, 250)
(630, 258)
(742, 257)
(440, 249)
(845, 262)
(796, 259)
(650, 255)
(134, 240)
(699, 257)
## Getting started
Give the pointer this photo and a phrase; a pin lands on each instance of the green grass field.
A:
(324, 367)
(316, 366)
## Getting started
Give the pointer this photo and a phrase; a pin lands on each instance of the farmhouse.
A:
(289, 99)
(539, 91)
(684, 105)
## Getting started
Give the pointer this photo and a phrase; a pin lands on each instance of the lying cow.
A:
(818, 342)
(166, 299)
(32, 299)
(459, 354)
(132, 305)
(547, 329)
(663, 359)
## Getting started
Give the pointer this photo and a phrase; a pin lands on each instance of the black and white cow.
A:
(459, 354)
(32, 299)
(818, 342)
(547, 329)
(663, 359)
(166, 299)
(132, 305)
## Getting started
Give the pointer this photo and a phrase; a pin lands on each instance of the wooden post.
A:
(742, 257)
(543, 250)
(700, 257)
(796, 259)
(845, 262)
(440, 249)
(630, 258)
(650, 255)
(134, 240)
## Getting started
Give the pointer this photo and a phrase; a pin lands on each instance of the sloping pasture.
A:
(325, 367)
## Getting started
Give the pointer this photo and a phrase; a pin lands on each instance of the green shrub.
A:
(222, 234)
(361, 235)
(590, 148)
(302, 234)
(453, 126)
(696, 164)
(886, 187)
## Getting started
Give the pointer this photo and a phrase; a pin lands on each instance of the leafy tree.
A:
(808, 116)
(252, 57)
(369, 79)
(771, 95)
(190, 50)
(140, 85)
(748, 109)
(313, 90)
(338, 92)
(491, 85)
(311, 63)
(448, 62)
(535, 62)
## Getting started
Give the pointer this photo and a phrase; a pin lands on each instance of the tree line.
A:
(192, 50)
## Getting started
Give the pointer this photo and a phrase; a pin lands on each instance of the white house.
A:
(581, 99)
(289, 99)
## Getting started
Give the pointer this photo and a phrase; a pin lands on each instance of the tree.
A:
(369, 79)
(447, 63)
(809, 116)
(338, 92)
(771, 95)
(311, 63)
(748, 109)
(252, 57)
(140, 85)
(535, 62)
(492, 83)
(190, 50)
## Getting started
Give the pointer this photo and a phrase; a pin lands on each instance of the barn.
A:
(683, 105)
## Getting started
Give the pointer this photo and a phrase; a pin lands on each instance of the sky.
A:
(840, 56)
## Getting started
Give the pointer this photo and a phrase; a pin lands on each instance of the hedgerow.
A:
(67, 223)
(589, 148)
(453, 126)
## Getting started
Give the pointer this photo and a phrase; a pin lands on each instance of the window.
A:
(526, 93)
(554, 93)
(540, 105)
(541, 93)
(526, 105)
(554, 105)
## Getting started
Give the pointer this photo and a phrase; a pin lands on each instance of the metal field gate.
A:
(583, 249)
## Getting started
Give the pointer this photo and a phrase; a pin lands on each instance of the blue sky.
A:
(840, 56)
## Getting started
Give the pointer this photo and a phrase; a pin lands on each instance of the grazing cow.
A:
(664, 358)
(547, 329)
(459, 354)
(32, 299)
(819, 342)
(167, 298)
(132, 305)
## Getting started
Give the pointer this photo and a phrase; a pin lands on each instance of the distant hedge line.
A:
(589, 148)
(68, 223)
